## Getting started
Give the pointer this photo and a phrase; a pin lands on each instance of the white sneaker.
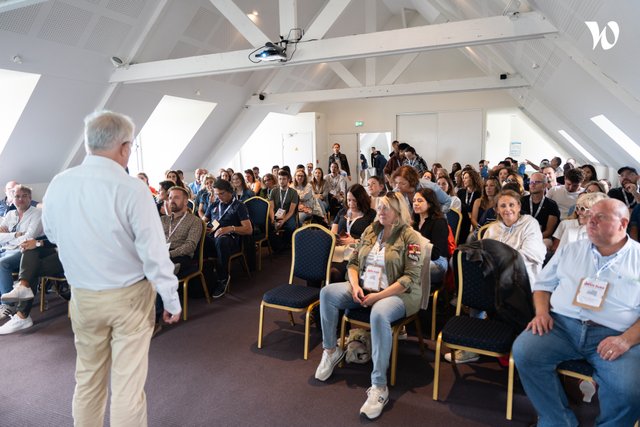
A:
(16, 323)
(588, 389)
(6, 311)
(463, 356)
(328, 362)
(17, 294)
(377, 397)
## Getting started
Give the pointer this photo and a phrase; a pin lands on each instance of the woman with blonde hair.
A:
(384, 274)
(575, 227)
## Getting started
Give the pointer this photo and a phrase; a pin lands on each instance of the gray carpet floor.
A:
(208, 371)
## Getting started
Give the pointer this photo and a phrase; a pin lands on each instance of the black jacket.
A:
(344, 163)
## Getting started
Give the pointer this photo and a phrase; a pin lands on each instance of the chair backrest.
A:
(200, 248)
(258, 209)
(474, 290)
(454, 218)
(483, 229)
(311, 253)
(425, 275)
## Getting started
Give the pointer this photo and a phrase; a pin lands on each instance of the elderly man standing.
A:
(115, 257)
(587, 302)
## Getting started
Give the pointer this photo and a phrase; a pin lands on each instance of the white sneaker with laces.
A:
(15, 324)
(463, 356)
(328, 362)
(6, 311)
(17, 294)
(377, 398)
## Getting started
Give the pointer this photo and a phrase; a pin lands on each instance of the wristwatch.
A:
(39, 243)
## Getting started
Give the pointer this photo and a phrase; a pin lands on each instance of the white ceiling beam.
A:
(398, 68)
(241, 22)
(419, 88)
(495, 29)
(8, 5)
(344, 74)
(288, 16)
(596, 73)
(325, 19)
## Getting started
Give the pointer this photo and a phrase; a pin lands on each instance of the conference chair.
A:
(43, 288)
(483, 336)
(312, 250)
(454, 218)
(191, 271)
(259, 214)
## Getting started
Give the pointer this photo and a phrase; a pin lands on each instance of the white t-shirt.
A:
(566, 201)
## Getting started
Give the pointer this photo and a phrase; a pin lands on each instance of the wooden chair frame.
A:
(198, 273)
(456, 232)
(259, 243)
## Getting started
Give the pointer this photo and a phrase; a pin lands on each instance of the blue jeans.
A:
(538, 356)
(9, 263)
(337, 296)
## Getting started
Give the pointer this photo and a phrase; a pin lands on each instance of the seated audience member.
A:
(515, 179)
(575, 228)
(17, 226)
(256, 173)
(337, 189)
(181, 228)
(384, 274)
(320, 188)
(283, 205)
(483, 210)
(350, 223)
(253, 183)
(455, 168)
(589, 174)
(274, 170)
(196, 185)
(8, 199)
(502, 173)
(428, 175)
(229, 220)
(628, 191)
(552, 180)
(566, 195)
(205, 195)
(305, 196)
(39, 258)
(143, 176)
(224, 174)
(375, 189)
(415, 161)
(174, 176)
(309, 170)
(543, 209)
(445, 183)
(429, 220)
(606, 184)
(522, 233)
(594, 187)
(587, 307)
(162, 198)
(240, 189)
(269, 183)
(407, 182)
(470, 192)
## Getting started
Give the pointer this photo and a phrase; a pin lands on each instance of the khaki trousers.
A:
(112, 335)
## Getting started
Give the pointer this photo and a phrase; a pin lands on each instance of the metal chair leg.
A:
(260, 325)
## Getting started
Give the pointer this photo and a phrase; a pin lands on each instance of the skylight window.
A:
(165, 135)
(579, 147)
(615, 133)
(16, 88)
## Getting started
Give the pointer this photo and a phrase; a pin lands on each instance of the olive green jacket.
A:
(399, 265)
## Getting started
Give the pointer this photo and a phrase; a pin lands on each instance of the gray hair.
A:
(22, 189)
(104, 129)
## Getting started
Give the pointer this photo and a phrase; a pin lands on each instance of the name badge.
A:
(280, 213)
(591, 293)
(214, 225)
(372, 277)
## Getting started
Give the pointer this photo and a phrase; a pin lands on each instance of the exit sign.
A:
(359, 123)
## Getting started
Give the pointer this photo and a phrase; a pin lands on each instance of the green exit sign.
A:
(359, 123)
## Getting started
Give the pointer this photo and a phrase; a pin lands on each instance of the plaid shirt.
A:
(185, 234)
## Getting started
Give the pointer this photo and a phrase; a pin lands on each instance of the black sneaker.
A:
(221, 287)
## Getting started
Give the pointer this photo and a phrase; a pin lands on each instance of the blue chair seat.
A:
(580, 366)
(364, 315)
(294, 296)
(487, 335)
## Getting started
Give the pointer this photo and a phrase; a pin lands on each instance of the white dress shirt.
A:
(30, 225)
(108, 231)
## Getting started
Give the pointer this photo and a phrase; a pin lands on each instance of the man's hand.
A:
(28, 245)
(611, 348)
(171, 318)
(370, 299)
(541, 324)
(357, 293)
(4, 229)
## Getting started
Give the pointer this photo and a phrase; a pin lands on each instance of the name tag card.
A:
(214, 225)
(591, 293)
(372, 276)
(280, 213)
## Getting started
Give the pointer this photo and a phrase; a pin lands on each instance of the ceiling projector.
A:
(272, 52)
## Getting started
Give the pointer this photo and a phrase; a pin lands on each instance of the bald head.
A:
(607, 225)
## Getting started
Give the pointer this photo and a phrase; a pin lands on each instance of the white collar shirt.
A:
(30, 225)
(108, 231)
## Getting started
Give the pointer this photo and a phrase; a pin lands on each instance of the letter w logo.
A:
(601, 37)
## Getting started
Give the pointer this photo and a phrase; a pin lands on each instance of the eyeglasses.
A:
(582, 209)
(511, 181)
(535, 182)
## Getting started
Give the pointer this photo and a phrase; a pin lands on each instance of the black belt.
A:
(590, 323)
